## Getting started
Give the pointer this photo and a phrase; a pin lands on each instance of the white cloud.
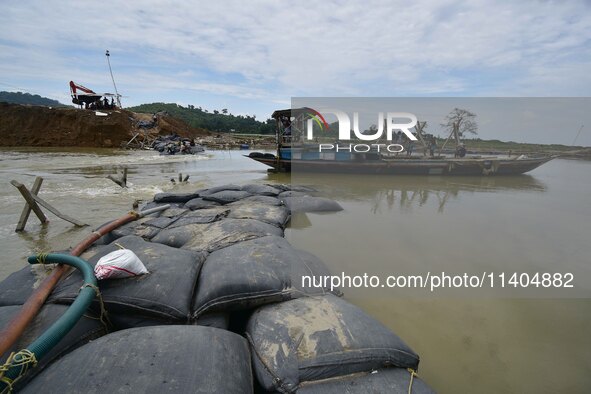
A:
(270, 51)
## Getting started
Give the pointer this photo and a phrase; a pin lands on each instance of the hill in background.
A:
(216, 121)
(30, 99)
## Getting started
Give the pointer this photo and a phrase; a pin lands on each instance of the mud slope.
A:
(23, 125)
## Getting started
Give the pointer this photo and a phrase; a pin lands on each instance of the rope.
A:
(119, 245)
(24, 360)
(41, 257)
(104, 316)
(413, 373)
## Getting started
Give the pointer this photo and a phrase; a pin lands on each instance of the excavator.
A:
(90, 99)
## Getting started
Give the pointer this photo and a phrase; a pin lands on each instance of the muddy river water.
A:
(483, 340)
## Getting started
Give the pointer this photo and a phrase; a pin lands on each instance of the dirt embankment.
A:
(24, 125)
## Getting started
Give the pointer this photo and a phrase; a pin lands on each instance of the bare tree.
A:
(462, 121)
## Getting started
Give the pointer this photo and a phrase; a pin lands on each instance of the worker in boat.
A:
(106, 103)
(287, 125)
(410, 147)
(286, 129)
(432, 147)
(112, 103)
(460, 151)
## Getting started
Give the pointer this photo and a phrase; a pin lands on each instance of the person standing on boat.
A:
(460, 151)
(409, 148)
(432, 146)
(286, 121)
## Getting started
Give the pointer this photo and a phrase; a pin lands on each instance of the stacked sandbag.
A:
(176, 359)
(321, 337)
(148, 227)
(162, 296)
(226, 196)
(214, 319)
(89, 327)
(216, 235)
(268, 200)
(297, 203)
(258, 205)
(214, 257)
(199, 216)
(199, 203)
(144, 227)
(272, 214)
(253, 273)
(161, 198)
(261, 190)
(18, 286)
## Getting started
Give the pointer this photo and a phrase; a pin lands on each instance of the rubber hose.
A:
(42, 345)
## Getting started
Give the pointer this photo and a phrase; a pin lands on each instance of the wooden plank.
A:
(27, 209)
(30, 199)
(57, 213)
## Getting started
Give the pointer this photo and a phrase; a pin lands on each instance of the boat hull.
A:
(474, 167)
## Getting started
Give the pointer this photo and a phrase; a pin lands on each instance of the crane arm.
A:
(74, 87)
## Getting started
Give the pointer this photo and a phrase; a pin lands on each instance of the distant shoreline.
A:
(42, 126)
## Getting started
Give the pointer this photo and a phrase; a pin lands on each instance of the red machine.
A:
(90, 99)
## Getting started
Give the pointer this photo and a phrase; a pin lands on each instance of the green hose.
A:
(21, 361)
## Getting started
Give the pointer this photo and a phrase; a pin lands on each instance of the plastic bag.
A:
(119, 264)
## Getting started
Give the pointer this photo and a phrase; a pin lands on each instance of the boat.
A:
(295, 154)
(402, 166)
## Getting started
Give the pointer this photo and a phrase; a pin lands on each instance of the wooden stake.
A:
(32, 200)
(57, 213)
(27, 209)
(30, 203)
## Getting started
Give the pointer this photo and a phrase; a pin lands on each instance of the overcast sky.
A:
(253, 56)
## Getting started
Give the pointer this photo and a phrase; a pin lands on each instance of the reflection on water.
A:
(407, 191)
(469, 340)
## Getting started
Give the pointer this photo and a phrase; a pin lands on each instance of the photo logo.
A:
(392, 122)
(315, 117)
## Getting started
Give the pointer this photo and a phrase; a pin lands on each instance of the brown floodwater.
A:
(469, 340)
(529, 340)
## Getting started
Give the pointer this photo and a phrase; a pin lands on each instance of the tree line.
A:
(27, 98)
(216, 120)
